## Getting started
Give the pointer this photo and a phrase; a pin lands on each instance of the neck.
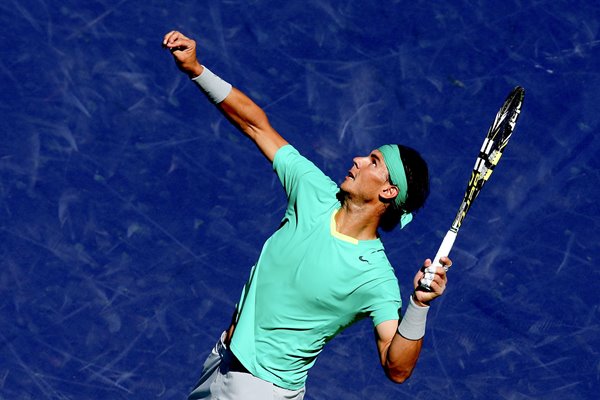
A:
(358, 221)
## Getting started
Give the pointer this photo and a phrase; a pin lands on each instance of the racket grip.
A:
(443, 251)
(445, 248)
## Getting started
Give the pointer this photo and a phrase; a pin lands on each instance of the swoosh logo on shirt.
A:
(363, 259)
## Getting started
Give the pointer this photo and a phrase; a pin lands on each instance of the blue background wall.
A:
(130, 211)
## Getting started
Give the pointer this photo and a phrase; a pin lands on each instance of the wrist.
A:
(195, 71)
(419, 302)
(215, 88)
(412, 325)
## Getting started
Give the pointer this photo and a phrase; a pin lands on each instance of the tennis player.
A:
(324, 268)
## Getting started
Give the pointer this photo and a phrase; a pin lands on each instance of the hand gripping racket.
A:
(489, 155)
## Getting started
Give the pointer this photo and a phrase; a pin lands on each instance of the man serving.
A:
(324, 268)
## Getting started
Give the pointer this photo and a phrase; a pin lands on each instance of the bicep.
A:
(398, 355)
(269, 141)
(384, 334)
(253, 122)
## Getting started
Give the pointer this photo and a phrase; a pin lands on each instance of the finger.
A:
(441, 271)
(430, 270)
(442, 275)
(168, 37)
(182, 44)
(427, 280)
(426, 264)
(437, 274)
(176, 39)
(446, 263)
(438, 284)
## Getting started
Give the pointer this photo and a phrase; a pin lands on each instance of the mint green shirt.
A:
(310, 282)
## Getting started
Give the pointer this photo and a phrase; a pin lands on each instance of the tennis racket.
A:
(491, 150)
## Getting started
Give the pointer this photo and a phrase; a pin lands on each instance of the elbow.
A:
(244, 114)
(252, 117)
(258, 123)
(257, 126)
(398, 375)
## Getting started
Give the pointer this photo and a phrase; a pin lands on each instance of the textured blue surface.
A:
(130, 211)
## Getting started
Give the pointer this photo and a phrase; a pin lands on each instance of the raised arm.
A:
(399, 347)
(239, 109)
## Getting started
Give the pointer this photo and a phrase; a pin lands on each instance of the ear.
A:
(389, 192)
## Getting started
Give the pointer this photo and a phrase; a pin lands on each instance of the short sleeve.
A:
(305, 184)
(387, 303)
(292, 168)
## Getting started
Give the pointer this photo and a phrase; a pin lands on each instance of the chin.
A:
(346, 184)
(341, 195)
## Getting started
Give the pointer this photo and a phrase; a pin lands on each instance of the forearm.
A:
(237, 107)
(245, 115)
(403, 352)
(242, 112)
(401, 358)
(400, 344)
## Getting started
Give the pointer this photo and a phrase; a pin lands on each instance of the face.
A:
(368, 178)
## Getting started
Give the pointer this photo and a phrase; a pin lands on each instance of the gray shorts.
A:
(217, 382)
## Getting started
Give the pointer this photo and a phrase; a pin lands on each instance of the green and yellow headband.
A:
(393, 162)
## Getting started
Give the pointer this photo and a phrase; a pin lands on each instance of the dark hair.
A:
(417, 177)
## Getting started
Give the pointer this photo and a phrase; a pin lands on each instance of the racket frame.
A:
(490, 153)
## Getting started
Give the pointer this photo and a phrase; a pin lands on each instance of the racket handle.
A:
(443, 251)
(445, 248)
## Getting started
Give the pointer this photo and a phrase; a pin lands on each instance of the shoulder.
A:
(295, 170)
(288, 157)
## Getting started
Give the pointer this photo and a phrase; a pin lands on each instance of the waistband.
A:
(235, 365)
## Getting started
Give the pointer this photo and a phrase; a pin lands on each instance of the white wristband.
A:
(215, 88)
(413, 322)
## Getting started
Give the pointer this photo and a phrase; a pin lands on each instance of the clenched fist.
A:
(184, 53)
